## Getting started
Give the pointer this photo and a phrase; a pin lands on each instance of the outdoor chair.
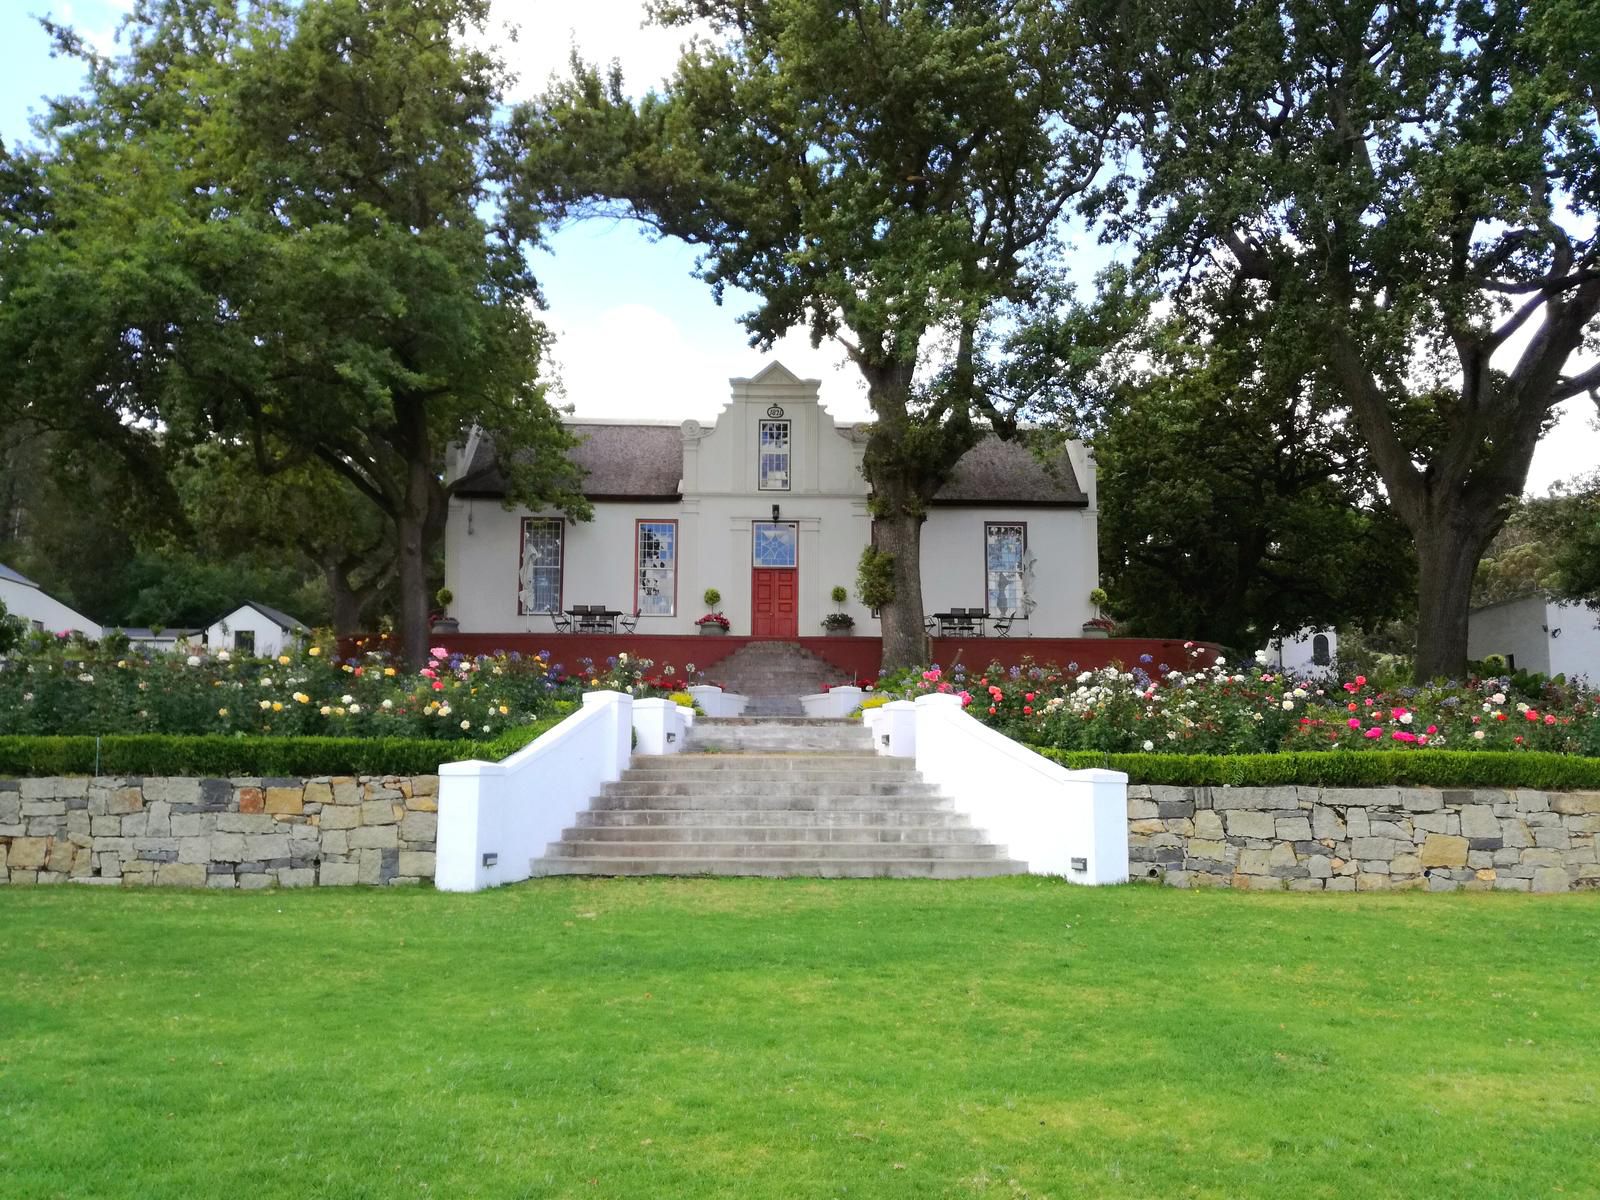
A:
(1002, 624)
(563, 622)
(629, 624)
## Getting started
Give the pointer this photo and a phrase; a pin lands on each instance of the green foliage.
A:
(1412, 188)
(838, 622)
(838, 595)
(712, 597)
(216, 756)
(1236, 503)
(1549, 544)
(875, 578)
(12, 630)
(1376, 768)
(891, 176)
(236, 234)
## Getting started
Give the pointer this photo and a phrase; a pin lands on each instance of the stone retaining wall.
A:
(223, 833)
(1364, 839)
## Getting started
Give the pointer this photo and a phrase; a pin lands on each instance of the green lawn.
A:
(664, 1038)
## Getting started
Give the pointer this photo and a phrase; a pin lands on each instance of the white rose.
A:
(1149, 745)
(1405, 718)
(1498, 698)
(346, 699)
(466, 724)
(223, 656)
(1477, 735)
(1287, 705)
(193, 660)
(354, 709)
(387, 704)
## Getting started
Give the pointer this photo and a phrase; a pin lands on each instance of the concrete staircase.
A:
(754, 796)
(775, 675)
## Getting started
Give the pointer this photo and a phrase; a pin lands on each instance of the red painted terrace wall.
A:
(857, 656)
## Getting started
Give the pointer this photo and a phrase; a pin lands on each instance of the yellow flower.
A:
(222, 712)
(314, 651)
(389, 671)
(277, 706)
(504, 711)
(283, 659)
(325, 711)
(302, 698)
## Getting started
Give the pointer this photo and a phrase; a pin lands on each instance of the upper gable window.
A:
(773, 462)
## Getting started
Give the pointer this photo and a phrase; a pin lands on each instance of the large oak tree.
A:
(272, 223)
(1416, 184)
(889, 174)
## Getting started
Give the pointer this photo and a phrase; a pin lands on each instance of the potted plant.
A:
(443, 623)
(839, 622)
(713, 623)
(712, 598)
(1098, 625)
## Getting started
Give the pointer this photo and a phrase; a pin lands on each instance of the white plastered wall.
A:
(1512, 628)
(33, 605)
(827, 499)
(270, 636)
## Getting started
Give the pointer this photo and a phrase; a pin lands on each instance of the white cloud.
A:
(635, 361)
(602, 30)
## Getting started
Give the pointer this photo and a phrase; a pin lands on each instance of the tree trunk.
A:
(347, 600)
(1449, 545)
(899, 533)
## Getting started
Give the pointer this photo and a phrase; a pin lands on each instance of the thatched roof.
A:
(645, 462)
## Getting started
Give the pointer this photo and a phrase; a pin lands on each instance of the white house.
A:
(1538, 633)
(255, 629)
(769, 506)
(23, 598)
(1304, 651)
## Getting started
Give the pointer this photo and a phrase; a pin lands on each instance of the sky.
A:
(636, 334)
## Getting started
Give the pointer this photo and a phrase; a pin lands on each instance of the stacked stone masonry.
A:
(220, 833)
(1364, 839)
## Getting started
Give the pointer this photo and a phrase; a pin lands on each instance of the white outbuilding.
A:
(24, 598)
(256, 629)
(1538, 633)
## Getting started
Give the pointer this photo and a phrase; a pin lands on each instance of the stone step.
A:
(701, 801)
(821, 868)
(802, 818)
(850, 761)
(721, 832)
(754, 739)
(691, 848)
(769, 785)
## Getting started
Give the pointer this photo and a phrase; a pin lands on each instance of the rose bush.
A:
(65, 686)
(1207, 706)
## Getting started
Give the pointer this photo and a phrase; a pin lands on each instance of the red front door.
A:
(774, 608)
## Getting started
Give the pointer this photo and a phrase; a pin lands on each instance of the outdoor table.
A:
(957, 622)
(594, 620)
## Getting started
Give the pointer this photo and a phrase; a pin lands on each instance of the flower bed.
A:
(67, 689)
(1211, 708)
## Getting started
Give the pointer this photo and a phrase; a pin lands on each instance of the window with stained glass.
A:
(657, 559)
(774, 456)
(776, 544)
(1004, 548)
(539, 581)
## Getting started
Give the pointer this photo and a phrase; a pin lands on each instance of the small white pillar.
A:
(659, 726)
(899, 725)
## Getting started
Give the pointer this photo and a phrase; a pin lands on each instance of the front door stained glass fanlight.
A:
(776, 544)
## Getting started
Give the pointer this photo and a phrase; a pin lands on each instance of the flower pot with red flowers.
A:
(713, 624)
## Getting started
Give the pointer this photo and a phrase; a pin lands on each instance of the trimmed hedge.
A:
(217, 756)
(1362, 768)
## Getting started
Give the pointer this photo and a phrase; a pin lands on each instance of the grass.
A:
(672, 1038)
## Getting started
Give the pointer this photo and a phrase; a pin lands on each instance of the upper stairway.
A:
(774, 675)
(774, 796)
